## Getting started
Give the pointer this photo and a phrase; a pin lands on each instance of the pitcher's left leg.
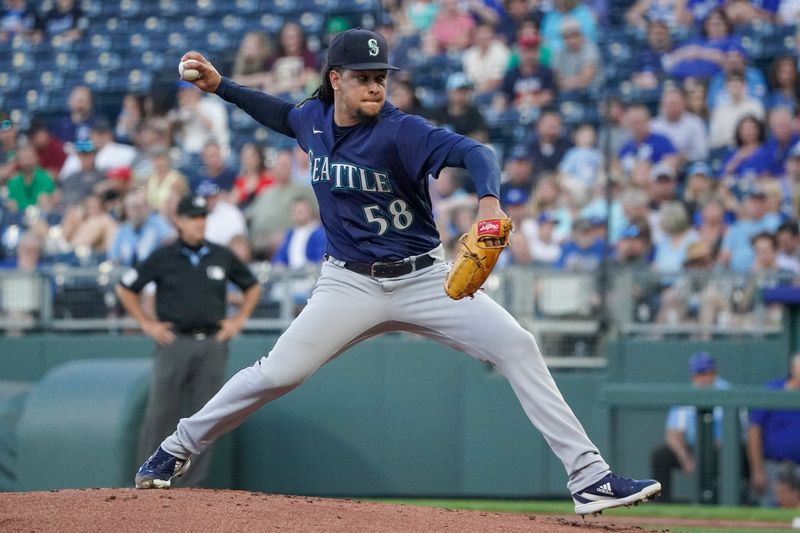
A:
(483, 329)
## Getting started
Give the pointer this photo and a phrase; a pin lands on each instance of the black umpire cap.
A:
(192, 206)
(359, 49)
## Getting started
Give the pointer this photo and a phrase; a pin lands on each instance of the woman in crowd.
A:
(253, 177)
(250, 64)
(293, 67)
(750, 158)
(783, 83)
(703, 57)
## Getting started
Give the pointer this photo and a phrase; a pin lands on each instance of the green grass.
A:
(719, 530)
(698, 512)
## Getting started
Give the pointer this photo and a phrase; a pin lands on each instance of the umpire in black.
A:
(191, 328)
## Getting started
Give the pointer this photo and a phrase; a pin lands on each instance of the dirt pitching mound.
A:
(193, 510)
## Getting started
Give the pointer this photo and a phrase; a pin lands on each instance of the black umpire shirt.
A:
(191, 283)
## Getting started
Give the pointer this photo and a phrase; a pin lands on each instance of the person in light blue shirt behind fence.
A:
(680, 440)
(142, 232)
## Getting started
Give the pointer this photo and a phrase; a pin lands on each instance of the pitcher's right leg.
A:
(344, 309)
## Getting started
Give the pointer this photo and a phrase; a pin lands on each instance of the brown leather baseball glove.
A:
(479, 251)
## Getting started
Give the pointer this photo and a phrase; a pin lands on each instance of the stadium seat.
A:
(270, 23)
(311, 22)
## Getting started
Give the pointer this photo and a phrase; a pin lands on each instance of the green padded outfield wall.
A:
(396, 415)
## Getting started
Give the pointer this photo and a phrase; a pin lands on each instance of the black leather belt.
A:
(391, 270)
(199, 333)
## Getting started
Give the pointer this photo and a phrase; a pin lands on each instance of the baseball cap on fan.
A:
(359, 49)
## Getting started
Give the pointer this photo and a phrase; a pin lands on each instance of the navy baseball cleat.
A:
(158, 471)
(614, 491)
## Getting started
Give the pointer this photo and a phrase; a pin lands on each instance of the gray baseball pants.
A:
(185, 375)
(415, 303)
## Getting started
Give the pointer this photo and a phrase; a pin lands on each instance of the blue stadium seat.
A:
(311, 22)
(217, 41)
(66, 61)
(270, 23)
(138, 42)
(247, 7)
(193, 24)
(23, 62)
(234, 23)
(169, 7)
(354, 6)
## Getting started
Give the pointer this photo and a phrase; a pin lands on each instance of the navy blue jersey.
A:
(372, 183)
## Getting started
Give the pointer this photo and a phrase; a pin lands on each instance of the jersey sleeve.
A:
(271, 111)
(239, 273)
(425, 149)
(136, 278)
(422, 147)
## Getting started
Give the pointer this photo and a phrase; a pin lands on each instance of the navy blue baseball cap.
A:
(520, 152)
(701, 363)
(359, 49)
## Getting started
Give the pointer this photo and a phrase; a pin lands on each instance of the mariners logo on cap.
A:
(373, 47)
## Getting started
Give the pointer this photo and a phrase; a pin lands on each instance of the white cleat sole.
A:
(160, 483)
(596, 508)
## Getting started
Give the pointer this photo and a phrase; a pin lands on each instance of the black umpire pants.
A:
(186, 374)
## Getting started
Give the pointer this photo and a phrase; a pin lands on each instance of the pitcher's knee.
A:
(281, 377)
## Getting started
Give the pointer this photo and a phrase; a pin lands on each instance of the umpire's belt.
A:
(199, 333)
(392, 270)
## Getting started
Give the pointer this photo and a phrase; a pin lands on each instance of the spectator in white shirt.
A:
(726, 115)
(109, 154)
(485, 62)
(198, 120)
(686, 130)
(224, 220)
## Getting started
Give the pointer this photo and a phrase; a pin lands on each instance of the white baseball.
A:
(188, 74)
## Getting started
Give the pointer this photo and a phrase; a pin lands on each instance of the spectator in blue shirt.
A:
(648, 66)
(782, 139)
(65, 19)
(736, 61)
(737, 251)
(743, 12)
(584, 252)
(304, 243)
(773, 438)
(142, 231)
(703, 57)
(16, 18)
(529, 85)
(645, 145)
(696, 11)
(680, 439)
(751, 158)
(554, 19)
(214, 169)
(78, 124)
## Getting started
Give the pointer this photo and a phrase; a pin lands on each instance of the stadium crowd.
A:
(660, 136)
